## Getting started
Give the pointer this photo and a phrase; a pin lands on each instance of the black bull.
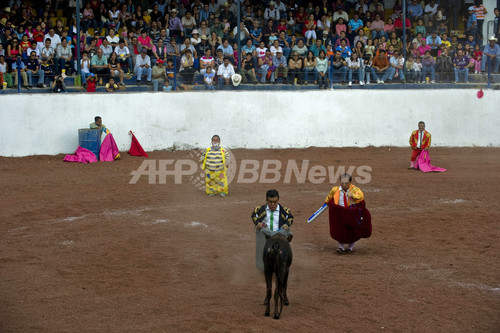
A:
(277, 260)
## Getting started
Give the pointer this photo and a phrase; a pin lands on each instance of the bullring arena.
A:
(86, 249)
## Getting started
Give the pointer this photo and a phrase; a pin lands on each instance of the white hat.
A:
(492, 38)
(236, 78)
(195, 32)
(471, 8)
(271, 3)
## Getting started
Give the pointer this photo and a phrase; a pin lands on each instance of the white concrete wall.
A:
(49, 123)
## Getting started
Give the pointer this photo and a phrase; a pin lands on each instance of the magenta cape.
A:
(348, 225)
(82, 155)
(109, 150)
(423, 163)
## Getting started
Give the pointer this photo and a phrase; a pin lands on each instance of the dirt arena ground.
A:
(82, 250)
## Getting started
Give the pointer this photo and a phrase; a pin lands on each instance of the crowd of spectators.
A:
(324, 42)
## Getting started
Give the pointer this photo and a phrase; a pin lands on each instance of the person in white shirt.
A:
(112, 39)
(106, 48)
(124, 56)
(355, 64)
(55, 39)
(143, 67)
(270, 219)
(225, 72)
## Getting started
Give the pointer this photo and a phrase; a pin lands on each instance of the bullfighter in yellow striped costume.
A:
(215, 161)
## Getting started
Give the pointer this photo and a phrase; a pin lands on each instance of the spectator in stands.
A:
(396, 66)
(173, 49)
(227, 50)
(380, 67)
(203, 46)
(266, 67)
(360, 38)
(340, 13)
(322, 70)
(479, 11)
(33, 69)
(310, 68)
(444, 66)
(187, 67)
(398, 25)
(55, 39)
(206, 61)
(344, 49)
(99, 66)
(112, 39)
(339, 40)
(143, 67)
(300, 48)
(64, 55)
(188, 23)
(272, 12)
(159, 74)
(256, 33)
(410, 71)
(491, 55)
(145, 41)
(338, 69)
(188, 46)
(281, 67)
(317, 47)
(59, 84)
(434, 41)
(111, 86)
(423, 48)
(430, 11)
(225, 73)
(114, 17)
(295, 69)
(471, 25)
(249, 48)
(415, 11)
(159, 51)
(377, 27)
(248, 69)
(208, 78)
(428, 63)
(4, 75)
(355, 65)
(124, 56)
(106, 48)
(461, 65)
(275, 47)
(309, 30)
(91, 83)
(115, 68)
(175, 25)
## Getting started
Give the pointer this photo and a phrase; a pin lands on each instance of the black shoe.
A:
(27, 87)
(138, 83)
(150, 83)
(340, 251)
(348, 251)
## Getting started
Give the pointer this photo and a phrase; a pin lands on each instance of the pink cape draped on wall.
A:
(82, 155)
(349, 224)
(423, 163)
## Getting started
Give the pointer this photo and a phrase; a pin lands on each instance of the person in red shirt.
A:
(398, 25)
(91, 83)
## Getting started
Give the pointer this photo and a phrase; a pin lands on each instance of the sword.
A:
(317, 213)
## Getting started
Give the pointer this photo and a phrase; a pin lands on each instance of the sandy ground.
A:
(81, 249)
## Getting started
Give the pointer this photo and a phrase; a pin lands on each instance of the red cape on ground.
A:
(136, 148)
(348, 225)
